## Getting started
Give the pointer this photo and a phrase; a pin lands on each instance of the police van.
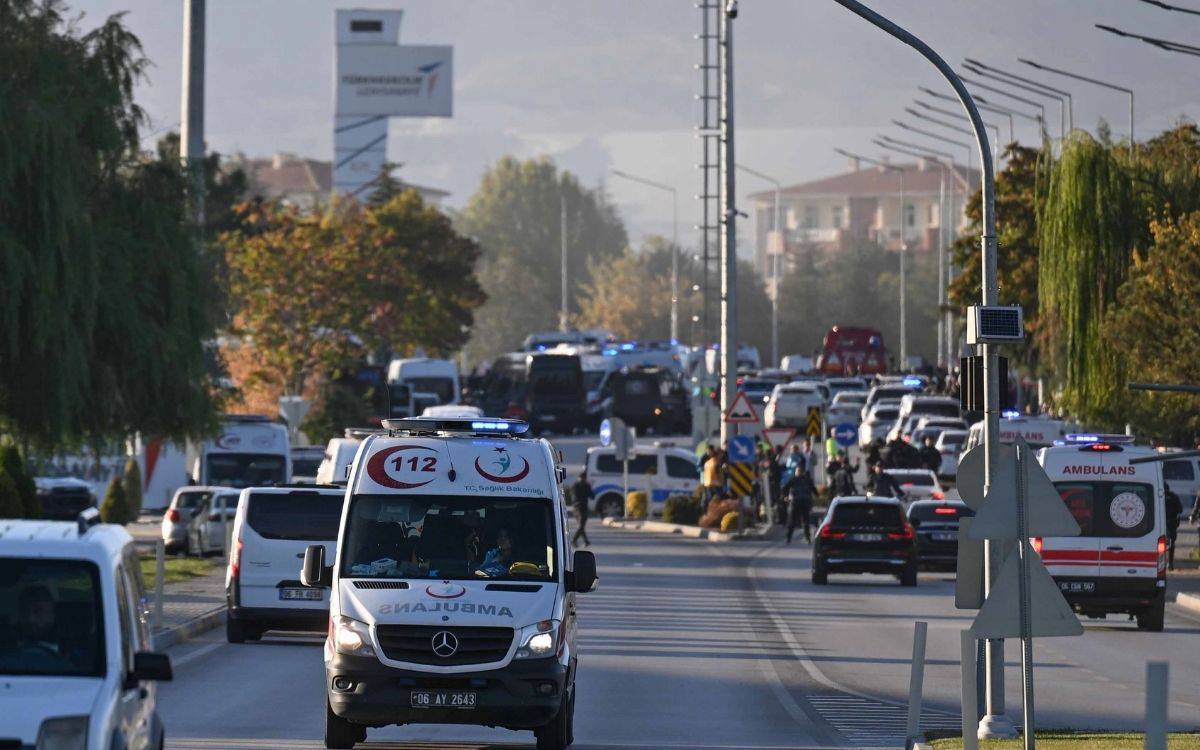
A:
(453, 584)
(1118, 564)
(660, 470)
(77, 667)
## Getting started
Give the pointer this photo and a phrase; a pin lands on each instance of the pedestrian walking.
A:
(800, 491)
(843, 479)
(873, 453)
(930, 456)
(711, 475)
(1174, 508)
(581, 496)
(883, 484)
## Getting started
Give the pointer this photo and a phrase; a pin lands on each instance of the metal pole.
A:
(191, 136)
(903, 276)
(160, 569)
(729, 328)
(995, 724)
(1156, 705)
(563, 315)
(674, 266)
(1085, 79)
(943, 356)
(968, 690)
(1027, 706)
(916, 681)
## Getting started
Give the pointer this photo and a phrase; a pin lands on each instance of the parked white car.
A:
(178, 516)
(788, 404)
(206, 527)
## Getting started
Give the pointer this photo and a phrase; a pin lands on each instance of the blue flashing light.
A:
(913, 382)
(1076, 437)
(541, 347)
(484, 426)
(627, 347)
(610, 352)
(1010, 414)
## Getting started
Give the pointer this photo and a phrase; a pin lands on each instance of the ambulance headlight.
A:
(539, 640)
(63, 733)
(352, 637)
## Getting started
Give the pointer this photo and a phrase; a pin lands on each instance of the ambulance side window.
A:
(1178, 470)
(1079, 497)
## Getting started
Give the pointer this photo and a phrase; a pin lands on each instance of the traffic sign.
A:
(813, 429)
(779, 437)
(1045, 511)
(969, 479)
(1049, 613)
(741, 411)
(845, 434)
(741, 479)
(606, 431)
(741, 449)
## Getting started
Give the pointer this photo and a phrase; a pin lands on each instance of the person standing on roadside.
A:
(711, 475)
(800, 491)
(581, 498)
(1174, 508)
(930, 456)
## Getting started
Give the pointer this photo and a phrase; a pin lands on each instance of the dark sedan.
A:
(936, 524)
(865, 535)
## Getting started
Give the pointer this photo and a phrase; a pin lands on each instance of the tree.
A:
(10, 498)
(386, 186)
(516, 216)
(1154, 318)
(13, 467)
(631, 295)
(115, 506)
(131, 480)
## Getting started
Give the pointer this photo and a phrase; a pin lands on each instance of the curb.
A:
(692, 532)
(166, 638)
(1190, 602)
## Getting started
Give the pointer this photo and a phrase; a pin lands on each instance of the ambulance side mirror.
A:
(314, 574)
(584, 576)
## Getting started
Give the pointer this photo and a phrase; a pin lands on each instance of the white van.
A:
(425, 375)
(453, 587)
(164, 469)
(272, 529)
(1118, 564)
(77, 667)
(250, 450)
(661, 471)
(339, 455)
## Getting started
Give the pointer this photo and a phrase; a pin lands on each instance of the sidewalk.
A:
(189, 608)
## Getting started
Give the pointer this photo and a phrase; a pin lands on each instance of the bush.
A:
(682, 509)
(132, 482)
(730, 521)
(637, 504)
(10, 499)
(12, 465)
(717, 510)
(115, 508)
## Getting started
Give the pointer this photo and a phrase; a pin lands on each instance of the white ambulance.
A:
(251, 450)
(453, 584)
(1118, 564)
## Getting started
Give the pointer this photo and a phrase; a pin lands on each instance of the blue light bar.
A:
(435, 425)
(1087, 437)
(1077, 437)
(1010, 414)
(914, 382)
(627, 347)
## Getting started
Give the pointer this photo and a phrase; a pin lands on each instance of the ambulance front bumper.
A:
(524, 694)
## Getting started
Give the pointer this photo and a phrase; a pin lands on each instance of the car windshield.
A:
(305, 466)
(867, 514)
(189, 500)
(885, 415)
(50, 618)
(449, 537)
(936, 409)
(443, 388)
(246, 469)
(303, 515)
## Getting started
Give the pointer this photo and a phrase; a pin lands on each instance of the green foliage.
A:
(516, 216)
(10, 497)
(131, 480)
(1090, 225)
(103, 308)
(386, 185)
(337, 407)
(115, 506)
(14, 468)
(683, 509)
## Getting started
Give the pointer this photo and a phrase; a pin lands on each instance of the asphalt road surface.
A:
(691, 644)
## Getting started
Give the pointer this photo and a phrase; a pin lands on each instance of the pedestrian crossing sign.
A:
(741, 411)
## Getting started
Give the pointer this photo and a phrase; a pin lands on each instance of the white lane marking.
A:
(192, 656)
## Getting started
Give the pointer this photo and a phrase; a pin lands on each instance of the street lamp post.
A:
(995, 723)
(952, 126)
(1015, 80)
(1085, 79)
(961, 116)
(1064, 104)
(991, 106)
(1015, 97)
(191, 135)
(1163, 44)
(903, 249)
(674, 243)
(774, 254)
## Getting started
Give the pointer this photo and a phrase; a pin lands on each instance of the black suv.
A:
(865, 535)
(936, 524)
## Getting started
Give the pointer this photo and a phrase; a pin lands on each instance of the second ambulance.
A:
(453, 585)
(1118, 563)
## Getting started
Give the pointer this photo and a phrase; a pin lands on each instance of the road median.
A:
(757, 533)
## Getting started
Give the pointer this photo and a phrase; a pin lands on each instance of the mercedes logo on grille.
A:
(445, 644)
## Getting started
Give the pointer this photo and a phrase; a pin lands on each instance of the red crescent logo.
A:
(377, 469)
(503, 480)
(429, 590)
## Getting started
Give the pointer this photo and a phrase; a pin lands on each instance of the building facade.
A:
(305, 183)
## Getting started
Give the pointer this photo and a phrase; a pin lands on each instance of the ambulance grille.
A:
(413, 644)
(380, 584)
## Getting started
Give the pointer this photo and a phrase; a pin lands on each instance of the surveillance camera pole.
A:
(996, 723)
(729, 329)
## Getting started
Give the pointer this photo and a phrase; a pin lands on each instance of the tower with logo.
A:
(377, 78)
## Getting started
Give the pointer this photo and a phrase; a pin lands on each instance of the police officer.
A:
(581, 496)
(800, 491)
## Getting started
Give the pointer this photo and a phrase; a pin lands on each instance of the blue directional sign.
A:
(741, 449)
(845, 434)
(606, 433)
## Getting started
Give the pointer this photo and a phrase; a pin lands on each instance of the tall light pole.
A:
(564, 315)
(991, 106)
(1065, 115)
(995, 723)
(903, 249)
(1085, 79)
(1163, 44)
(960, 116)
(773, 253)
(674, 243)
(729, 317)
(952, 126)
(191, 116)
(1002, 113)
(994, 71)
(1015, 97)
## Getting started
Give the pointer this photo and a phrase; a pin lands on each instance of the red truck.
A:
(853, 351)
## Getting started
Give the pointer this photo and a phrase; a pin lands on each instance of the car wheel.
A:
(557, 734)
(339, 733)
(610, 506)
(235, 630)
(1153, 618)
(909, 576)
(820, 576)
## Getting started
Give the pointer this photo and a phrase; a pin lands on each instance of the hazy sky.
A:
(610, 83)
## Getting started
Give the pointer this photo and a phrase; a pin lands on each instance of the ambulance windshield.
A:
(449, 537)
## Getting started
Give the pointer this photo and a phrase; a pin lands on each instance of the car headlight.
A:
(539, 640)
(352, 637)
(63, 733)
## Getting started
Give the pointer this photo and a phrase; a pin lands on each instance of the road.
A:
(690, 644)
